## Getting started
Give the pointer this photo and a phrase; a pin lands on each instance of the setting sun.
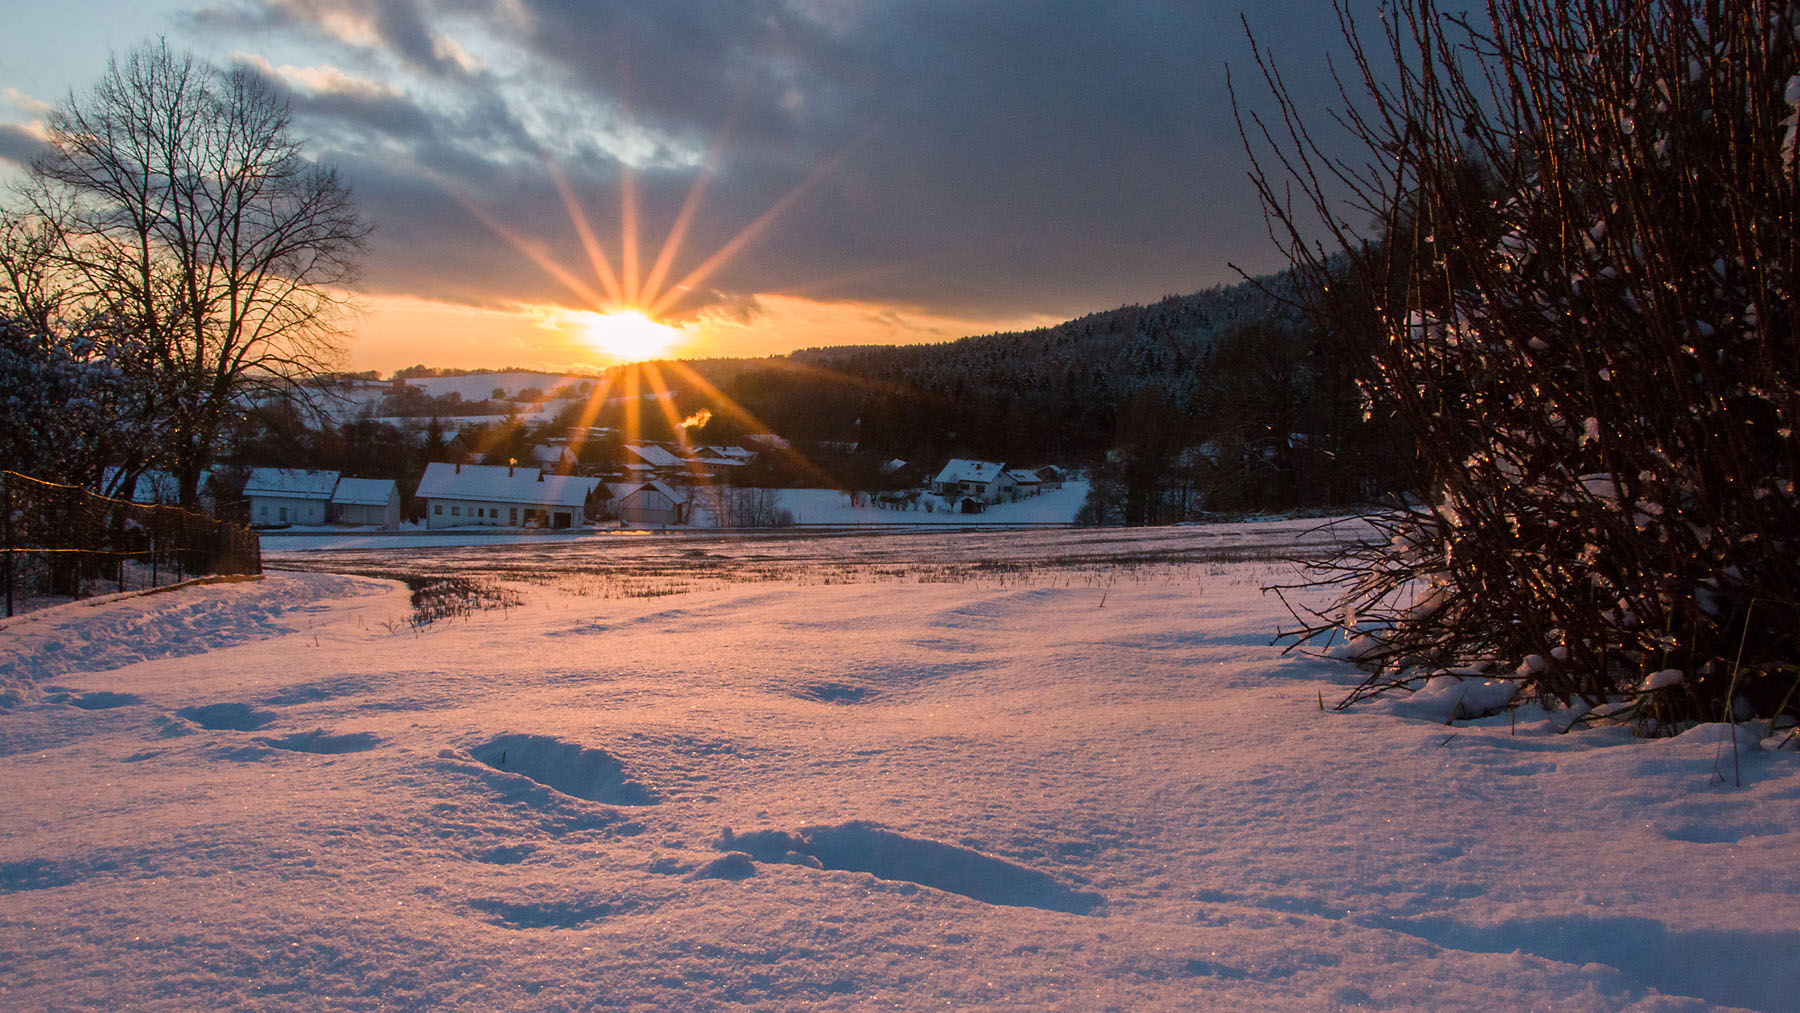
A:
(629, 335)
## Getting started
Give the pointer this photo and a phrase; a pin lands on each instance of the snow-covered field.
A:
(945, 770)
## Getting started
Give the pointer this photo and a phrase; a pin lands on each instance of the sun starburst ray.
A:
(735, 244)
(748, 420)
(684, 219)
(596, 254)
(590, 413)
(530, 250)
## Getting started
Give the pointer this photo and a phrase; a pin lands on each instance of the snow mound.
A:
(1448, 698)
(864, 847)
(574, 770)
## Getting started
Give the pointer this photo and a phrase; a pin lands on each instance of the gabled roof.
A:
(290, 483)
(622, 490)
(960, 470)
(653, 454)
(364, 491)
(738, 452)
(485, 483)
(1025, 476)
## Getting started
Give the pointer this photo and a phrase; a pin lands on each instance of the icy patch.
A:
(864, 847)
(577, 771)
(233, 717)
(320, 741)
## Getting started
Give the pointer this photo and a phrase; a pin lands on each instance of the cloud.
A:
(30, 106)
(1006, 157)
(19, 144)
(395, 27)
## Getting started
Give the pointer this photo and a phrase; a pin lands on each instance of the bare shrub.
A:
(1578, 300)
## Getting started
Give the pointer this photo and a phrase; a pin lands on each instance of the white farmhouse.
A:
(289, 496)
(365, 501)
(479, 495)
(971, 485)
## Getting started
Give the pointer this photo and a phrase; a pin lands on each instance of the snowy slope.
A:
(479, 386)
(899, 783)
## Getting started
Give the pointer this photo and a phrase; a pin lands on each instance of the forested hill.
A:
(1128, 346)
(1233, 365)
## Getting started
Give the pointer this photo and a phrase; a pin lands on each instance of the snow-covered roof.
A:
(892, 466)
(1024, 476)
(491, 483)
(364, 491)
(291, 483)
(737, 452)
(624, 490)
(960, 470)
(655, 455)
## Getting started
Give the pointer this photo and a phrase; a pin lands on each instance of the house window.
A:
(438, 509)
(262, 510)
(512, 515)
(284, 514)
(456, 511)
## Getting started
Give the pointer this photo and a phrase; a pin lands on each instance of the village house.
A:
(1026, 483)
(476, 495)
(971, 485)
(366, 501)
(665, 464)
(289, 495)
(648, 503)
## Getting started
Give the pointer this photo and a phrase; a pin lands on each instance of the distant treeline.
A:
(1221, 400)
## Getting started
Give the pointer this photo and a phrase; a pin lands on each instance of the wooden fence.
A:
(63, 541)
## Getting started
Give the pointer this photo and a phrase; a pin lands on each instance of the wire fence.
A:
(64, 542)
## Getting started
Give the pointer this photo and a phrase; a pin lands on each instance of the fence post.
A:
(6, 534)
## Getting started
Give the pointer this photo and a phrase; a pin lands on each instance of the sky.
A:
(851, 172)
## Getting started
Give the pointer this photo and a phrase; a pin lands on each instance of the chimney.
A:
(540, 476)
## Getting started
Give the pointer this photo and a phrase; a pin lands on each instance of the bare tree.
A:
(185, 211)
(1579, 299)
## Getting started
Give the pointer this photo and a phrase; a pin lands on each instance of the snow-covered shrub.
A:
(65, 403)
(1580, 303)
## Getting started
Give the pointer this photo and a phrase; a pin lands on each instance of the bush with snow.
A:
(1581, 307)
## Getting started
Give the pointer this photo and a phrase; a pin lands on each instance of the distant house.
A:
(656, 457)
(289, 496)
(365, 501)
(554, 456)
(649, 503)
(971, 485)
(476, 495)
(1026, 483)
